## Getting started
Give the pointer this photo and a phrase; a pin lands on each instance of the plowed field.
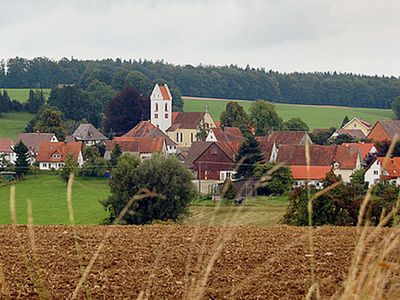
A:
(172, 261)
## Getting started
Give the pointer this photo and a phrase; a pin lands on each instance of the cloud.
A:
(358, 36)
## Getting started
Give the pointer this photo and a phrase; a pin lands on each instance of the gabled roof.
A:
(137, 144)
(311, 173)
(35, 139)
(266, 146)
(6, 145)
(186, 120)
(87, 132)
(356, 134)
(391, 127)
(365, 123)
(293, 155)
(147, 129)
(287, 137)
(46, 150)
(161, 92)
(391, 166)
(347, 156)
(199, 147)
(165, 92)
(228, 134)
(365, 148)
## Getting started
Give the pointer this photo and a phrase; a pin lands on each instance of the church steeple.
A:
(161, 107)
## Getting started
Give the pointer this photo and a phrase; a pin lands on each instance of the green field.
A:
(314, 116)
(22, 95)
(13, 123)
(49, 200)
(265, 211)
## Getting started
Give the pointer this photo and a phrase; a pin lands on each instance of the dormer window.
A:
(56, 156)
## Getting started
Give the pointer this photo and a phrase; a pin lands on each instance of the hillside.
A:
(315, 116)
(174, 262)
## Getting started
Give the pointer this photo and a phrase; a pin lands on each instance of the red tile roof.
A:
(199, 147)
(287, 137)
(186, 120)
(147, 129)
(35, 139)
(347, 156)
(293, 155)
(266, 146)
(228, 134)
(6, 145)
(46, 151)
(311, 173)
(365, 148)
(165, 92)
(137, 144)
(392, 166)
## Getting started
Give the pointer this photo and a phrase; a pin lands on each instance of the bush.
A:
(279, 183)
(165, 176)
(230, 190)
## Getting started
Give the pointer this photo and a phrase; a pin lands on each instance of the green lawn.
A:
(256, 211)
(13, 123)
(22, 95)
(49, 204)
(314, 116)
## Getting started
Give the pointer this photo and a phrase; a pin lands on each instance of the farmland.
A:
(175, 261)
(314, 116)
(22, 95)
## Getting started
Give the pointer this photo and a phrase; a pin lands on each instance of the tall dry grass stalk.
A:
(5, 290)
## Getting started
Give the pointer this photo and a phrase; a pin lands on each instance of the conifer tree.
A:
(22, 162)
(115, 154)
(249, 154)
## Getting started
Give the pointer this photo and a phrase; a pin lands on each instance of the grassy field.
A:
(49, 204)
(256, 211)
(314, 116)
(13, 123)
(22, 95)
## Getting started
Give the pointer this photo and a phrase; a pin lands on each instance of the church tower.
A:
(161, 107)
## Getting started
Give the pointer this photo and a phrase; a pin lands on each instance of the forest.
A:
(232, 82)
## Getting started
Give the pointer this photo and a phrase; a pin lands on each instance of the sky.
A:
(358, 36)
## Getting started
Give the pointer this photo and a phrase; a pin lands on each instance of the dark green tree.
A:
(70, 166)
(248, 156)
(234, 116)
(35, 101)
(296, 124)
(321, 136)
(126, 110)
(169, 182)
(345, 121)
(95, 165)
(341, 138)
(115, 155)
(264, 117)
(277, 182)
(22, 162)
(229, 190)
(51, 121)
(396, 107)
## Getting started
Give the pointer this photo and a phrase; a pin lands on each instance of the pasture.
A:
(22, 95)
(13, 123)
(314, 116)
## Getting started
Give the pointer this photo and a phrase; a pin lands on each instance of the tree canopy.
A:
(234, 116)
(264, 117)
(248, 156)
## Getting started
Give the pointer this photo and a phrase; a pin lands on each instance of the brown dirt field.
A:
(254, 262)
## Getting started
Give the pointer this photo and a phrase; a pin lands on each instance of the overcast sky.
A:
(358, 36)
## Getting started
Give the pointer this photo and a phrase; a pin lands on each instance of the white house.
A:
(383, 170)
(6, 152)
(89, 135)
(52, 155)
(161, 107)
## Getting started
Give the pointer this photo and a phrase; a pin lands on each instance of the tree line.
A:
(318, 88)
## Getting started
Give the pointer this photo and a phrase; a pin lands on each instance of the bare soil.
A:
(169, 261)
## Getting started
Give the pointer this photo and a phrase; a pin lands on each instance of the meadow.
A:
(314, 116)
(13, 123)
(22, 95)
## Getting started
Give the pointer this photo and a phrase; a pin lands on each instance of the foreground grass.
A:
(13, 123)
(255, 211)
(49, 200)
(314, 116)
(22, 95)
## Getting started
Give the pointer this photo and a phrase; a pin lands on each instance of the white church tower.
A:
(161, 107)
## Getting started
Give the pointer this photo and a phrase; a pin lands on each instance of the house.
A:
(366, 149)
(52, 155)
(355, 134)
(143, 147)
(6, 152)
(88, 134)
(295, 155)
(268, 148)
(313, 175)
(357, 123)
(147, 129)
(289, 138)
(212, 160)
(225, 134)
(186, 126)
(384, 130)
(347, 160)
(383, 169)
(34, 140)
(161, 107)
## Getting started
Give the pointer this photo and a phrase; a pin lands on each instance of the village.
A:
(213, 159)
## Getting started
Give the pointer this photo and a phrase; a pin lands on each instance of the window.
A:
(181, 137)
(166, 116)
(177, 137)
(156, 109)
(44, 165)
(376, 172)
(155, 116)
(56, 155)
(166, 106)
(192, 136)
